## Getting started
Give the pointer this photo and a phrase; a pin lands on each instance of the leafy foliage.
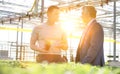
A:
(18, 67)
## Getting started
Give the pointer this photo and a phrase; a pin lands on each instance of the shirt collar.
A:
(91, 21)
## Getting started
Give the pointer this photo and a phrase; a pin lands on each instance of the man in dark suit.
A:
(90, 49)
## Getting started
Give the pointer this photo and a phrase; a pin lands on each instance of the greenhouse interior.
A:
(19, 17)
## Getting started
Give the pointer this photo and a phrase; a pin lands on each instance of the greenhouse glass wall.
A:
(18, 18)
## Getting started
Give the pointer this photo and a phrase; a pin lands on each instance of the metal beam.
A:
(13, 4)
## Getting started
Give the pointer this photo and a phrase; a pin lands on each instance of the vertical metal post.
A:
(71, 50)
(21, 45)
(114, 30)
(36, 6)
(17, 42)
(42, 10)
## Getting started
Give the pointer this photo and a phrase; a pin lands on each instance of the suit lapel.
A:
(84, 37)
(86, 34)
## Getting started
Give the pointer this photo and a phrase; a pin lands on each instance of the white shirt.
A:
(49, 34)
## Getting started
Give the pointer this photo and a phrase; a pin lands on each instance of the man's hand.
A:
(57, 44)
(60, 44)
(41, 50)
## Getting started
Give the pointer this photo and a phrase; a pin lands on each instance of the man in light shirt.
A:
(49, 38)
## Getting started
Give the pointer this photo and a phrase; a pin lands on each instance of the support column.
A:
(42, 10)
(114, 32)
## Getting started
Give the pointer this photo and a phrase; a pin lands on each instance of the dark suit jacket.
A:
(90, 49)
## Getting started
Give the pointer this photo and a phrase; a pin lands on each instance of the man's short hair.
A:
(90, 9)
(51, 8)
